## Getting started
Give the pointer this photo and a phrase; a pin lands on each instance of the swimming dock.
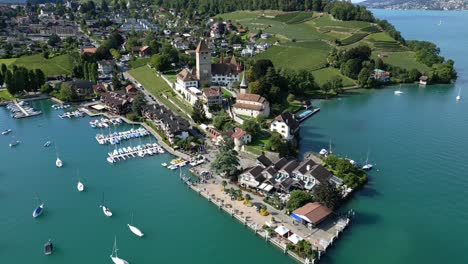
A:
(117, 137)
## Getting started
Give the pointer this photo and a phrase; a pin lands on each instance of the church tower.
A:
(243, 86)
(203, 56)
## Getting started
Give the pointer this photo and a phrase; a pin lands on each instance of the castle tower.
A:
(203, 57)
(243, 86)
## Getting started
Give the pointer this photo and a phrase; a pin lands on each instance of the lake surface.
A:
(414, 209)
(179, 226)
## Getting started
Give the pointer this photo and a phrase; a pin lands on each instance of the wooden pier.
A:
(311, 113)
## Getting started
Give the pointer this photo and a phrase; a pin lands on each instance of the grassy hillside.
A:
(59, 65)
(323, 75)
(306, 38)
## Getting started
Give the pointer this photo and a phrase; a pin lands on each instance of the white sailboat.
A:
(80, 186)
(398, 92)
(114, 257)
(39, 209)
(440, 23)
(325, 152)
(367, 166)
(107, 212)
(134, 229)
(458, 96)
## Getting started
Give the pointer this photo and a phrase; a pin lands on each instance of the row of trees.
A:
(350, 174)
(325, 193)
(20, 79)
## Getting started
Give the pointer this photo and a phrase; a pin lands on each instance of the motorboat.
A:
(110, 160)
(80, 186)
(164, 164)
(48, 248)
(14, 143)
(398, 92)
(323, 152)
(114, 256)
(58, 163)
(38, 211)
(367, 167)
(6, 131)
(47, 144)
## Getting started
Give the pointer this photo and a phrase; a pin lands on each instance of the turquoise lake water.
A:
(413, 210)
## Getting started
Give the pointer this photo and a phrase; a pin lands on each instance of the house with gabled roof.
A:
(251, 105)
(252, 177)
(286, 125)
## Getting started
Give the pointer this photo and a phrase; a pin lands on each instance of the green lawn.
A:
(323, 75)
(5, 96)
(406, 60)
(159, 88)
(326, 21)
(138, 62)
(300, 55)
(7, 62)
(62, 64)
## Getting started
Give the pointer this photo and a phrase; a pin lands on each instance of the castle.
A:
(205, 74)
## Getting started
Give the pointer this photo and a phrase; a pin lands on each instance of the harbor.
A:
(21, 109)
(131, 152)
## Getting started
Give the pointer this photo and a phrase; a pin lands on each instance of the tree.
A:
(297, 199)
(33, 85)
(67, 93)
(115, 53)
(54, 40)
(260, 68)
(1, 80)
(327, 194)
(104, 6)
(379, 64)
(4, 69)
(351, 68)
(227, 160)
(138, 102)
(233, 38)
(198, 112)
(276, 142)
(160, 62)
(252, 126)
(414, 74)
(363, 76)
(222, 121)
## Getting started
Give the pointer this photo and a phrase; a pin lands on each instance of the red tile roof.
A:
(314, 212)
(251, 97)
(238, 133)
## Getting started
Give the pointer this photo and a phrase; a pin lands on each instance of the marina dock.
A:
(117, 137)
(21, 109)
(133, 152)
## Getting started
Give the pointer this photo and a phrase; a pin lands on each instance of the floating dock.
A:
(117, 137)
(306, 114)
(20, 109)
(133, 152)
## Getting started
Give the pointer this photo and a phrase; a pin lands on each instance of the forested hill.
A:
(418, 4)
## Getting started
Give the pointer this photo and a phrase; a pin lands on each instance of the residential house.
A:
(262, 160)
(118, 102)
(82, 87)
(286, 125)
(262, 46)
(173, 126)
(265, 35)
(248, 52)
(252, 177)
(145, 51)
(131, 89)
(241, 138)
(105, 68)
(381, 75)
(251, 105)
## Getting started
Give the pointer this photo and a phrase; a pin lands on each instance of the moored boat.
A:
(58, 163)
(14, 143)
(48, 248)
(6, 131)
(80, 186)
(114, 257)
(47, 144)
(38, 211)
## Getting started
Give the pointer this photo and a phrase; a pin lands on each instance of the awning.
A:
(296, 217)
(295, 238)
(249, 183)
(268, 188)
(98, 107)
(262, 186)
(281, 230)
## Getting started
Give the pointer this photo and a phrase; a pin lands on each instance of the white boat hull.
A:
(58, 163)
(80, 186)
(118, 260)
(107, 212)
(135, 230)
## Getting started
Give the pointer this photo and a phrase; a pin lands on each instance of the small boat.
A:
(58, 163)
(323, 152)
(110, 160)
(47, 144)
(80, 186)
(367, 166)
(38, 211)
(14, 143)
(134, 229)
(164, 164)
(48, 248)
(458, 96)
(6, 131)
(107, 212)
(398, 92)
(114, 256)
